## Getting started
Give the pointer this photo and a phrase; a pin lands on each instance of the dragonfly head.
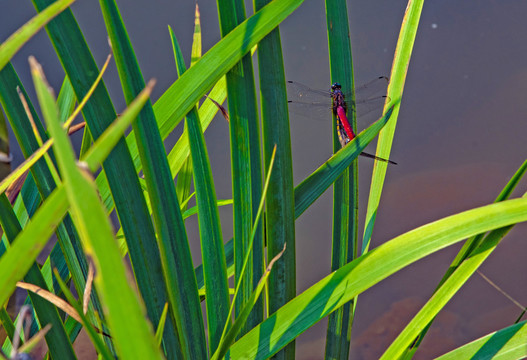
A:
(336, 86)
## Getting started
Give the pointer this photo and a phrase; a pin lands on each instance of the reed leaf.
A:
(346, 188)
(280, 214)
(401, 61)
(507, 343)
(215, 273)
(246, 166)
(11, 46)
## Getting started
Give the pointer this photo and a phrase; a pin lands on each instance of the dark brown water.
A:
(459, 138)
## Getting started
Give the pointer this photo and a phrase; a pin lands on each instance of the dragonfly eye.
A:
(335, 86)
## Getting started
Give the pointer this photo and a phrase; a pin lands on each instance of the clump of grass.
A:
(160, 314)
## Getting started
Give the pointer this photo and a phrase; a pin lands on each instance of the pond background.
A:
(460, 136)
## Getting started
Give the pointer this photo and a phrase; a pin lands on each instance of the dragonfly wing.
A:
(299, 92)
(367, 106)
(371, 89)
(370, 97)
(305, 101)
(317, 111)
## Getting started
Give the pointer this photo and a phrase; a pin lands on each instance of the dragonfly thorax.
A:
(336, 86)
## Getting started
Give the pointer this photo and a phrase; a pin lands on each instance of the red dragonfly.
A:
(340, 105)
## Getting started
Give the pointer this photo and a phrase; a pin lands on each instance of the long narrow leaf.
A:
(67, 102)
(215, 272)
(15, 263)
(10, 47)
(280, 214)
(184, 178)
(66, 99)
(401, 61)
(346, 188)
(505, 344)
(246, 166)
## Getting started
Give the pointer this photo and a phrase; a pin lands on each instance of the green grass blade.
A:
(194, 210)
(10, 47)
(57, 340)
(362, 273)
(7, 324)
(401, 61)
(184, 176)
(280, 213)
(245, 161)
(93, 160)
(161, 326)
(346, 188)
(66, 99)
(24, 167)
(174, 249)
(196, 39)
(228, 248)
(241, 320)
(131, 207)
(505, 344)
(180, 152)
(124, 312)
(24, 207)
(215, 272)
(85, 145)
